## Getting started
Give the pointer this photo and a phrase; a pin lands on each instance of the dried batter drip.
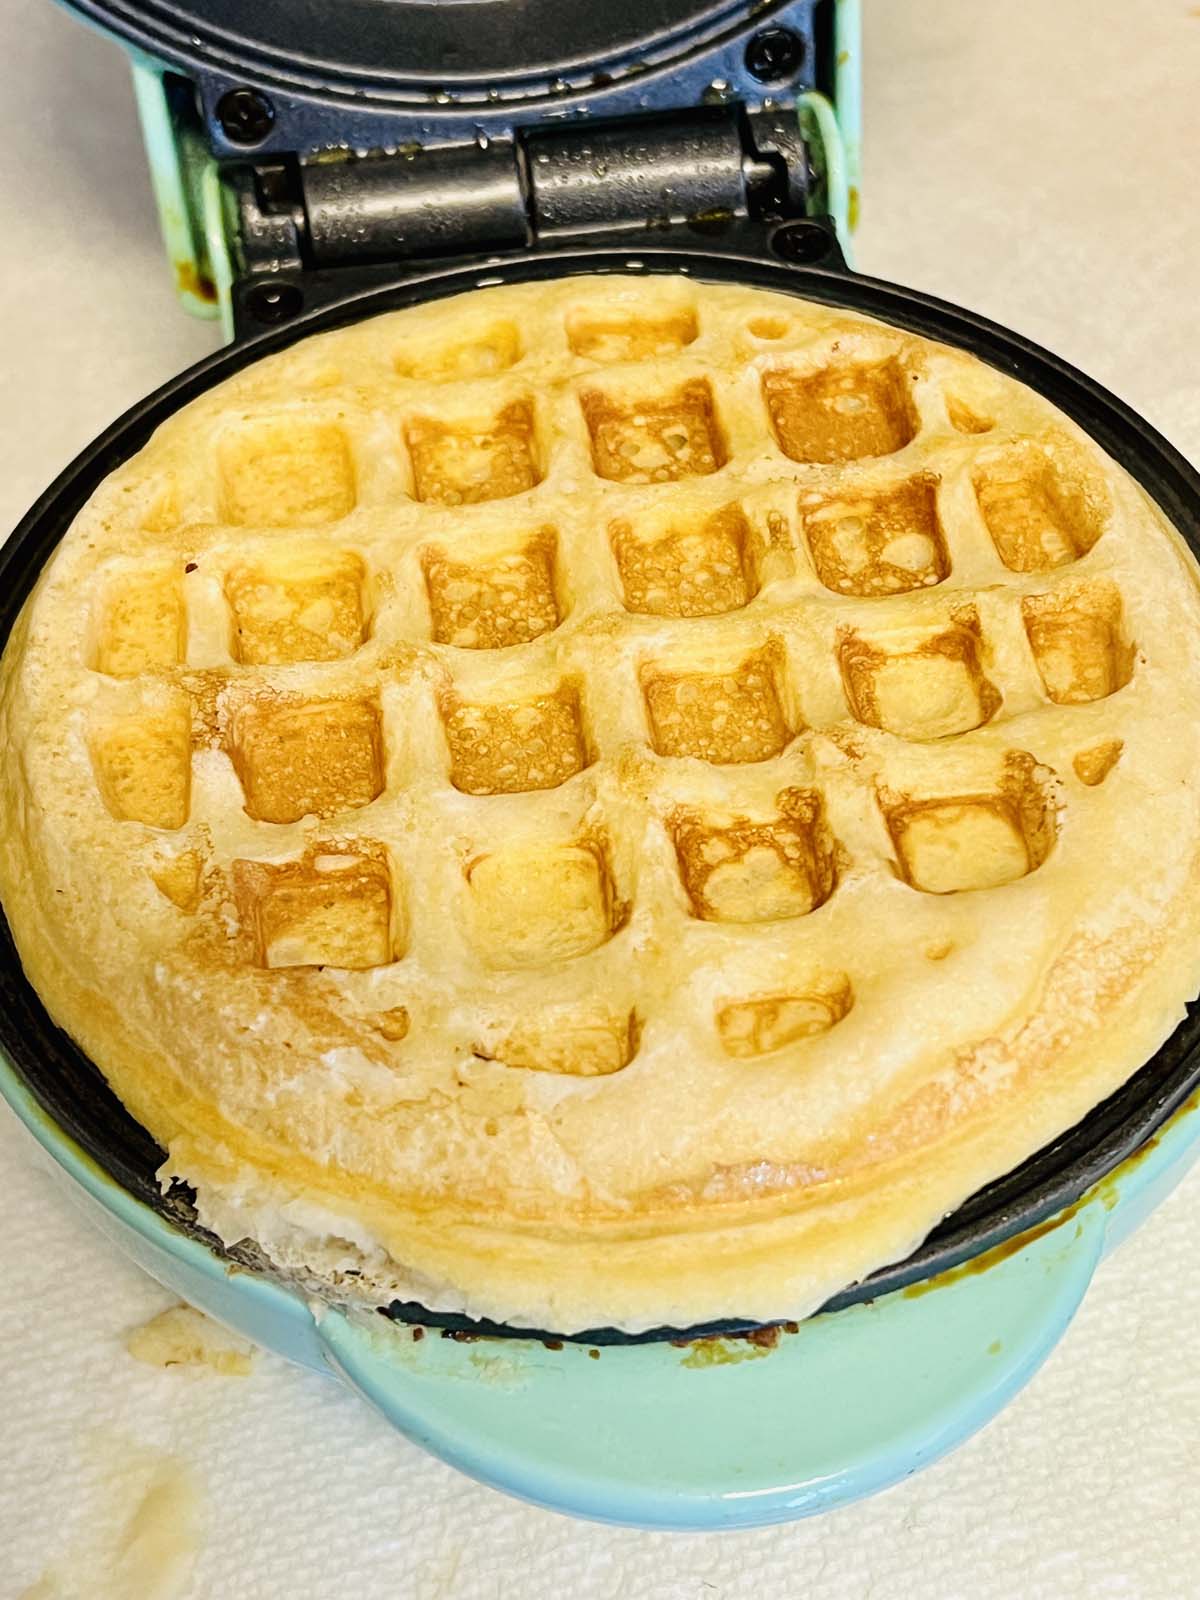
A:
(619, 801)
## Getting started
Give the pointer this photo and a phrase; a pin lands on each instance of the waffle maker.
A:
(314, 164)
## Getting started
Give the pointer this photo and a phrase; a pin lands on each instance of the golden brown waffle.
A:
(612, 801)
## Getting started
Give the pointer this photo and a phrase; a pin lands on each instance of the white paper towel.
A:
(1034, 162)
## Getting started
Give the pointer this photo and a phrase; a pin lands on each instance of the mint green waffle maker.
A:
(317, 167)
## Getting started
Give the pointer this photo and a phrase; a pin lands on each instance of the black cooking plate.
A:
(75, 1094)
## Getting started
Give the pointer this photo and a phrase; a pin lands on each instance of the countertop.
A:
(1033, 162)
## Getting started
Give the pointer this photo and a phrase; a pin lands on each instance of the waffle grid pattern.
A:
(716, 614)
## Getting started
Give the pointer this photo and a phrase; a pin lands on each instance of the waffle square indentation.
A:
(143, 765)
(1078, 641)
(286, 472)
(532, 905)
(511, 747)
(847, 411)
(701, 568)
(609, 333)
(307, 758)
(494, 601)
(460, 463)
(730, 716)
(918, 688)
(575, 1041)
(297, 605)
(951, 843)
(493, 349)
(141, 623)
(886, 541)
(1040, 514)
(741, 870)
(655, 440)
(762, 1024)
(332, 910)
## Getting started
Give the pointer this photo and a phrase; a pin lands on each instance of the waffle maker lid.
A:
(302, 151)
(407, 49)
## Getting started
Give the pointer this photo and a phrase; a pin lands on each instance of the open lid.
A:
(301, 149)
(464, 52)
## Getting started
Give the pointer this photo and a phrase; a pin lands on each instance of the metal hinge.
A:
(308, 229)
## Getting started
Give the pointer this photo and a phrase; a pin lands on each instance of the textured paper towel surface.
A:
(1033, 161)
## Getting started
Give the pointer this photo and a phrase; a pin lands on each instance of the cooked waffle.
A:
(618, 801)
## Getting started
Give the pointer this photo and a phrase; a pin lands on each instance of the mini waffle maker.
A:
(319, 164)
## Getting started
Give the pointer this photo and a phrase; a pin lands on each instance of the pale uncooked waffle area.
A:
(604, 765)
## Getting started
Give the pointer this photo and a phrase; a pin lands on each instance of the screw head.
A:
(774, 54)
(802, 242)
(270, 301)
(245, 115)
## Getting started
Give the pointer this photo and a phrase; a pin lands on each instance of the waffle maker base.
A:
(707, 1427)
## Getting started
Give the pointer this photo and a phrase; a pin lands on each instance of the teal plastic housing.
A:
(721, 1433)
(195, 222)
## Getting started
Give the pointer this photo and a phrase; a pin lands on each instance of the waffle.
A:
(614, 801)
